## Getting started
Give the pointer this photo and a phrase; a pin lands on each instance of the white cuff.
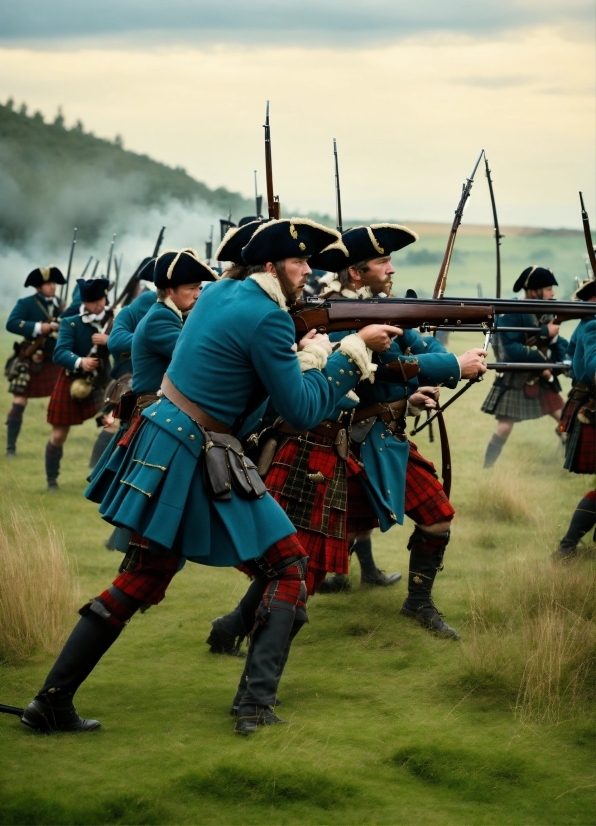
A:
(312, 357)
(77, 363)
(354, 347)
(415, 410)
(37, 329)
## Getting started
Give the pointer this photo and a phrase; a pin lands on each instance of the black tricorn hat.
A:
(585, 291)
(146, 269)
(248, 219)
(175, 268)
(43, 275)
(534, 278)
(364, 243)
(287, 238)
(235, 239)
(93, 289)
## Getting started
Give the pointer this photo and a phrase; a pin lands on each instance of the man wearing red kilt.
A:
(79, 390)
(31, 372)
(516, 396)
(577, 422)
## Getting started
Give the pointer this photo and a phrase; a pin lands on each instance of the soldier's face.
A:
(185, 296)
(95, 306)
(48, 289)
(378, 276)
(543, 294)
(292, 276)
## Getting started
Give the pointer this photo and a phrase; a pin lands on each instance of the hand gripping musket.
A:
(337, 190)
(127, 294)
(441, 282)
(498, 235)
(272, 200)
(588, 236)
(64, 290)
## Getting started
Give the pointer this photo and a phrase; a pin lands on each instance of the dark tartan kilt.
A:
(513, 403)
(64, 410)
(426, 501)
(580, 447)
(43, 382)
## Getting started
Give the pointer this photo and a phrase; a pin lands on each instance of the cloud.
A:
(311, 22)
(494, 82)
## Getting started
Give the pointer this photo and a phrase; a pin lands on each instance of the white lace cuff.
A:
(312, 357)
(356, 349)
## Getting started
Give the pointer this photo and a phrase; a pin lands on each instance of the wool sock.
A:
(493, 450)
(582, 521)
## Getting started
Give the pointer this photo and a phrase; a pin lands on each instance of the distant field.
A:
(387, 724)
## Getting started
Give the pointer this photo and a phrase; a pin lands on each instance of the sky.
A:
(411, 91)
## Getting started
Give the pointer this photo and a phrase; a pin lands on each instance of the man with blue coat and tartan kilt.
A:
(182, 501)
(31, 371)
(578, 422)
(517, 396)
(80, 351)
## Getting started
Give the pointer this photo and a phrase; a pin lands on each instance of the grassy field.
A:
(387, 723)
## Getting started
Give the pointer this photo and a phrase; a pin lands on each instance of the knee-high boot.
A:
(103, 440)
(53, 457)
(14, 420)
(426, 560)
(228, 632)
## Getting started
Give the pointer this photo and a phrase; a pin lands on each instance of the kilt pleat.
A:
(580, 447)
(64, 410)
(512, 403)
(43, 382)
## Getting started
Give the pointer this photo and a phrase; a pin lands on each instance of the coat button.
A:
(168, 420)
(153, 414)
(341, 372)
(337, 383)
(179, 429)
(351, 373)
(191, 437)
(329, 378)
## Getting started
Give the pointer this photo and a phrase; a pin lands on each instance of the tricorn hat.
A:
(175, 268)
(235, 239)
(535, 278)
(585, 291)
(93, 289)
(364, 243)
(287, 238)
(43, 275)
(146, 269)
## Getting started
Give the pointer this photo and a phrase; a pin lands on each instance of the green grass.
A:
(388, 724)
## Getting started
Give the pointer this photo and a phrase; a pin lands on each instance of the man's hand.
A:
(546, 374)
(553, 329)
(472, 363)
(89, 364)
(47, 327)
(425, 397)
(99, 338)
(377, 337)
(312, 337)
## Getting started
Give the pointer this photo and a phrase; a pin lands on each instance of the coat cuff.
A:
(356, 349)
(312, 357)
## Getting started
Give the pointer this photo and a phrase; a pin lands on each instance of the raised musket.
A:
(337, 190)
(209, 247)
(441, 282)
(498, 235)
(588, 236)
(110, 254)
(64, 290)
(127, 293)
(86, 267)
(258, 199)
(273, 204)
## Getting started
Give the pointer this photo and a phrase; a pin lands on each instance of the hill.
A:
(52, 177)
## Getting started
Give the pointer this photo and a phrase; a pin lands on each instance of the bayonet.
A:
(64, 291)
(158, 243)
(498, 235)
(337, 190)
(110, 254)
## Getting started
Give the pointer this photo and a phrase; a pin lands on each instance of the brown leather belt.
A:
(386, 412)
(327, 429)
(172, 394)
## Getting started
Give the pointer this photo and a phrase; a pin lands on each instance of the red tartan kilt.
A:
(550, 400)
(426, 501)
(361, 514)
(584, 460)
(64, 410)
(42, 383)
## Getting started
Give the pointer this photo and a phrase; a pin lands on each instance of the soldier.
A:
(80, 352)
(184, 487)
(31, 372)
(516, 396)
(578, 423)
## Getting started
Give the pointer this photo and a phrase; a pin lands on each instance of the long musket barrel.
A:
(64, 295)
(441, 282)
(86, 267)
(498, 235)
(337, 190)
(110, 254)
(588, 236)
(272, 202)
(127, 292)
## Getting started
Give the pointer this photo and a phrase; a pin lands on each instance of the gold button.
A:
(179, 429)
(351, 373)
(72, 324)
(159, 402)
(388, 491)
(350, 360)
(450, 378)
(191, 437)
(380, 450)
(358, 373)
(329, 378)
(341, 372)
(153, 414)
(337, 383)
(382, 435)
(168, 420)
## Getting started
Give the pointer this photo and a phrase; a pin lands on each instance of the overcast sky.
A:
(411, 91)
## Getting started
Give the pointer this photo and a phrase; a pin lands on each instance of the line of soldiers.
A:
(231, 387)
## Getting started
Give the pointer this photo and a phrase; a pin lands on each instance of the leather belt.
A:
(386, 412)
(172, 394)
(582, 387)
(326, 429)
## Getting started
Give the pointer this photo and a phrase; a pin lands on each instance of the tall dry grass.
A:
(534, 635)
(38, 586)
(511, 500)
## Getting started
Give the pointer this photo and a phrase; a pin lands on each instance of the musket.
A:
(209, 247)
(111, 252)
(498, 235)
(127, 293)
(82, 275)
(588, 236)
(64, 295)
(479, 289)
(158, 243)
(258, 199)
(118, 268)
(337, 190)
(95, 268)
(441, 282)
(272, 200)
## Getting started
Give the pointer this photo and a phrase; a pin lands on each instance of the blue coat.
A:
(74, 341)
(152, 347)
(514, 347)
(126, 322)
(235, 340)
(27, 312)
(75, 303)
(584, 351)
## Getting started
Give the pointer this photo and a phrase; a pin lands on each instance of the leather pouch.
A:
(226, 468)
(360, 430)
(266, 454)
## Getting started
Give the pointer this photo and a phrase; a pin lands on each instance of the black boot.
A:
(53, 457)
(228, 632)
(53, 709)
(369, 573)
(264, 664)
(102, 441)
(335, 584)
(14, 420)
(493, 450)
(426, 559)
(583, 520)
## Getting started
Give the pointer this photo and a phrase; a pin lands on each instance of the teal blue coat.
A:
(74, 341)
(152, 347)
(27, 312)
(234, 342)
(584, 351)
(126, 322)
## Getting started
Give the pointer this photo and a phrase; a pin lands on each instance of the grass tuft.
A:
(38, 591)
(510, 501)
